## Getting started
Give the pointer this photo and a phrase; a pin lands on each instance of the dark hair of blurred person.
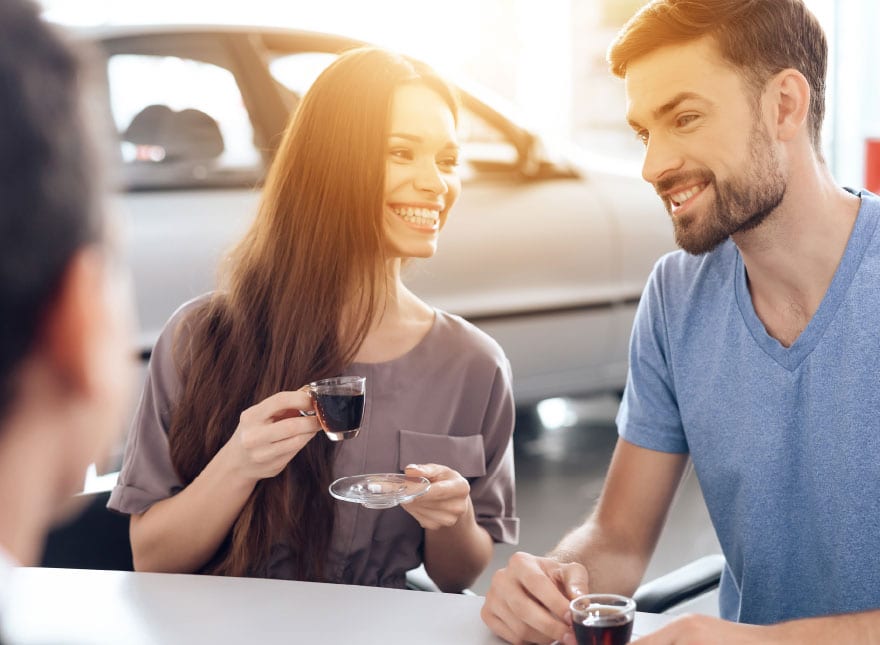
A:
(65, 309)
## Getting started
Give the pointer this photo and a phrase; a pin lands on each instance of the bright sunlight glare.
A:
(524, 45)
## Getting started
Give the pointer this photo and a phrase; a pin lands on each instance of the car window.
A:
(181, 123)
(484, 147)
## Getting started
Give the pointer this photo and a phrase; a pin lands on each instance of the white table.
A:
(66, 606)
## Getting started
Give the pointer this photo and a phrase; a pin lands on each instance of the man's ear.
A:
(72, 323)
(790, 96)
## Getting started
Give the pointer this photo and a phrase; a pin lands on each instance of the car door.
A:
(191, 156)
(527, 255)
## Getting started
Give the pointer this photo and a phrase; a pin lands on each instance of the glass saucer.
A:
(380, 490)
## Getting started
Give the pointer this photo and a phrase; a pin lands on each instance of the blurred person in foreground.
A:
(221, 473)
(66, 314)
(754, 350)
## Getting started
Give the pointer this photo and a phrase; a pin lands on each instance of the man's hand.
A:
(706, 630)
(528, 601)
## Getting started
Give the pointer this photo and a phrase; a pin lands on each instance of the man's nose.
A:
(661, 157)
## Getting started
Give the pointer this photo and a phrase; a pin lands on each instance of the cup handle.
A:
(306, 413)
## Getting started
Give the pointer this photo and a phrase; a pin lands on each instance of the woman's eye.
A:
(685, 120)
(642, 135)
(448, 162)
(402, 153)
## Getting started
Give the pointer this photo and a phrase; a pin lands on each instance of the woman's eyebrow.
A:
(417, 139)
(403, 135)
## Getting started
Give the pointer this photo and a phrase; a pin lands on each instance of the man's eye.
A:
(685, 120)
(448, 162)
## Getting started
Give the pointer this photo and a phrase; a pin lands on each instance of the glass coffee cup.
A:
(602, 619)
(339, 405)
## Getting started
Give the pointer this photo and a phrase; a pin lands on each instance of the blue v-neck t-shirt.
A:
(785, 441)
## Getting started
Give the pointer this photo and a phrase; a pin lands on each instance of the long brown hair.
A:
(310, 266)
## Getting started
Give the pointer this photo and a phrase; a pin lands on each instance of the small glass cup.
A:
(339, 405)
(602, 619)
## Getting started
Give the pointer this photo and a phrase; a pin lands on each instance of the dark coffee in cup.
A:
(608, 627)
(340, 415)
(602, 619)
(339, 405)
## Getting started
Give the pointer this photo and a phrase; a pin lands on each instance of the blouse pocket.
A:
(463, 454)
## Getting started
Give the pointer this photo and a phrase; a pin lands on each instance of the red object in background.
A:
(872, 165)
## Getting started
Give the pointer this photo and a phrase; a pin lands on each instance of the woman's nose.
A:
(429, 178)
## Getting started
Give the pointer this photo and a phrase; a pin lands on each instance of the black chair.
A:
(97, 538)
(418, 580)
(682, 585)
(660, 595)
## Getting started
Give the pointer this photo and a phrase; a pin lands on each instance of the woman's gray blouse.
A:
(447, 401)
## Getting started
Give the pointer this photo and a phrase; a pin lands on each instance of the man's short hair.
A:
(758, 37)
(49, 194)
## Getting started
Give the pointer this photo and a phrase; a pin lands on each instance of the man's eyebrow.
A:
(668, 107)
(674, 102)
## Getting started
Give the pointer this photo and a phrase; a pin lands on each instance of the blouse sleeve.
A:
(147, 474)
(493, 494)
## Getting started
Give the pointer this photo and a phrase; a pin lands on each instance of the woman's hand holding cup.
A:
(271, 433)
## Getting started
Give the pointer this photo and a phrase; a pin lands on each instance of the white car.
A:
(547, 250)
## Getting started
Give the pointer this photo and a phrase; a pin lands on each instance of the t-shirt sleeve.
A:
(648, 415)
(147, 475)
(493, 495)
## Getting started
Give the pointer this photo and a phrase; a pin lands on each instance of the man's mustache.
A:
(666, 184)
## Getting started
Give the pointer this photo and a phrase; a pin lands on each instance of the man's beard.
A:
(741, 203)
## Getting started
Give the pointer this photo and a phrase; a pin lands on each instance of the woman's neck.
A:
(400, 322)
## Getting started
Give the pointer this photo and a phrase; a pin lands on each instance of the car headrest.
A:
(189, 134)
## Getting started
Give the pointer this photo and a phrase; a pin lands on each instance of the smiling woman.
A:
(421, 183)
(364, 179)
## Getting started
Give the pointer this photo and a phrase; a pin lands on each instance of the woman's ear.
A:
(790, 96)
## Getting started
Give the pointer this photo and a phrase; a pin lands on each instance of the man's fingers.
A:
(545, 589)
(573, 579)
(537, 614)
(514, 630)
(518, 617)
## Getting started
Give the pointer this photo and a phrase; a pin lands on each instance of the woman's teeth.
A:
(420, 216)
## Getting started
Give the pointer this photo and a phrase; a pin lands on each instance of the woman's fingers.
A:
(278, 406)
(445, 502)
(271, 433)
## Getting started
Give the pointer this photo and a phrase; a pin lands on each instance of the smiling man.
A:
(754, 349)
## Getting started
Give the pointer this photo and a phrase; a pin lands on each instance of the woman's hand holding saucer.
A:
(445, 502)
